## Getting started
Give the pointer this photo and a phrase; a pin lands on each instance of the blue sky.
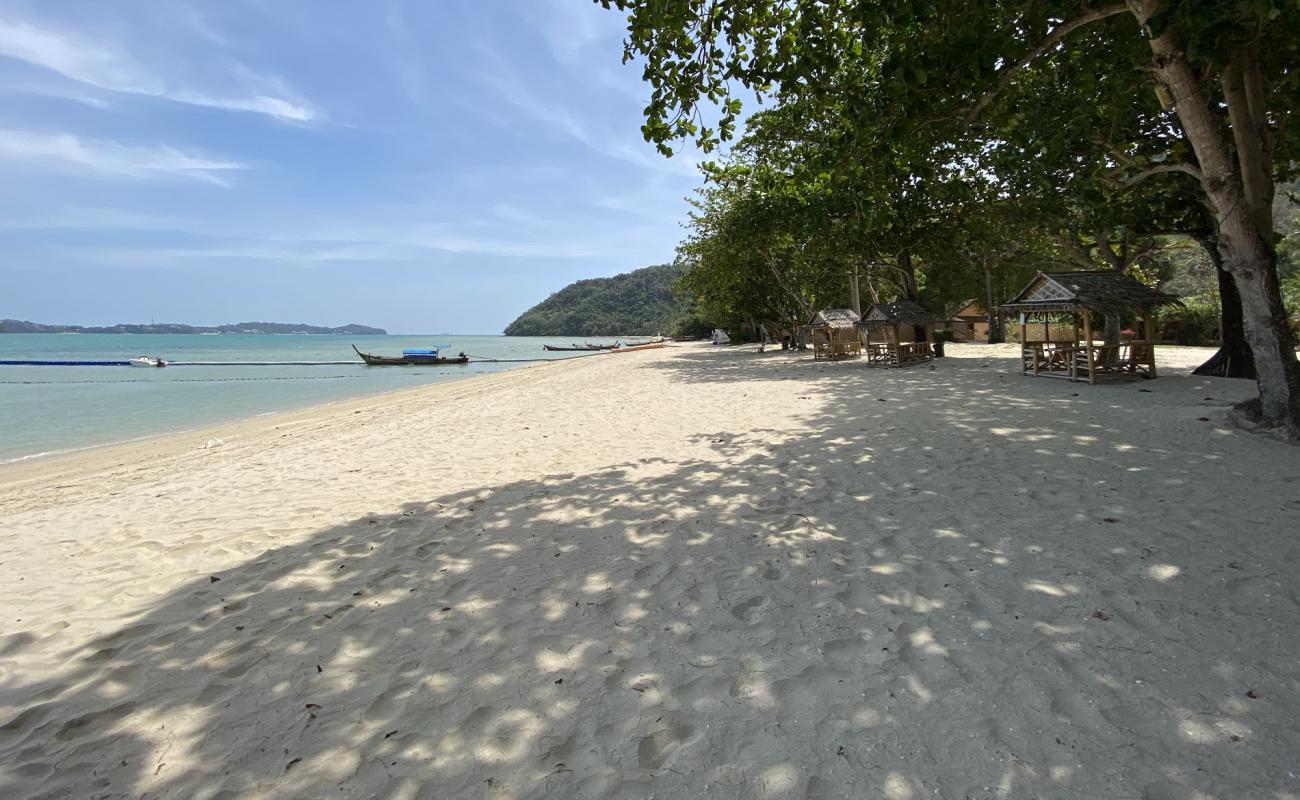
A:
(421, 166)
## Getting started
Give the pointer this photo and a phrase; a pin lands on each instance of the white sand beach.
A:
(680, 573)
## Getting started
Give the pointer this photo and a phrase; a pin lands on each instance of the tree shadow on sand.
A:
(950, 588)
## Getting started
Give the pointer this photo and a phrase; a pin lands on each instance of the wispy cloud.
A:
(569, 28)
(109, 158)
(505, 80)
(98, 65)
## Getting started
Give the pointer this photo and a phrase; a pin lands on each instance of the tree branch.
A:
(1249, 134)
(1181, 166)
(1058, 33)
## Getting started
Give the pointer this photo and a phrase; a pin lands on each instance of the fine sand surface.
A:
(681, 573)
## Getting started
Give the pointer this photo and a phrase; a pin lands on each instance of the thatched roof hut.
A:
(834, 318)
(1102, 292)
(898, 333)
(834, 333)
(899, 312)
(1063, 304)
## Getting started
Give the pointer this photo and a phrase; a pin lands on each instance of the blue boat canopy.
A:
(421, 351)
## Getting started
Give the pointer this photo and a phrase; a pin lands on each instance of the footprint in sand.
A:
(655, 750)
(93, 722)
(773, 571)
(750, 610)
(387, 702)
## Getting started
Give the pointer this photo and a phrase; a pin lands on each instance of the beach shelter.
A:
(898, 334)
(720, 336)
(833, 334)
(970, 323)
(1061, 313)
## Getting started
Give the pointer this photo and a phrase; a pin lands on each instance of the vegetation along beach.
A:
(770, 400)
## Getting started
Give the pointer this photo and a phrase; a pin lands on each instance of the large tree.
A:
(1226, 70)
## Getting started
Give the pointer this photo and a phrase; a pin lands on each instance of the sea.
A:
(48, 410)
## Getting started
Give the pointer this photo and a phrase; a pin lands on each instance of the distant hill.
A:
(22, 326)
(637, 303)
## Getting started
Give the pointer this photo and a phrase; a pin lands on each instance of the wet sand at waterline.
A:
(680, 573)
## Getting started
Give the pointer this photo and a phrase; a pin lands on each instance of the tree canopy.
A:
(922, 144)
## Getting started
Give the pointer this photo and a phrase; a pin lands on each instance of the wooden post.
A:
(1023, 342)
(1074, 354)
(1087, 335)
(1150, 335)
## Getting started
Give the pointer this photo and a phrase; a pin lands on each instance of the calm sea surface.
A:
(47, 410)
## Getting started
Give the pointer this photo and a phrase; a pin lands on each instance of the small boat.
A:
(412, 357)
(583, 347)
(645, 346)
(146, 361)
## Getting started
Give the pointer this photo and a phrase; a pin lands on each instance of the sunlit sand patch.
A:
(1062, 590)
(491, 680)
(439, 682)
(1047, 629)
(896, 787)
(596, 583)
(1163, 572)
(455, 565)
(916, 602)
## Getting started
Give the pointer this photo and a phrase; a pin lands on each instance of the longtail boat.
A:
(414, 357)
(646, 346)
(583, 347)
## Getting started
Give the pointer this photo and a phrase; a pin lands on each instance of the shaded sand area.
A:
(681, 573)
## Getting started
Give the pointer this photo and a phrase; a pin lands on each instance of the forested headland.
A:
(637, 303)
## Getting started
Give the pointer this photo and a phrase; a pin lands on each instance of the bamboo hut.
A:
(833, 334)
(1058, 314)
(898, 334)
(970, 323)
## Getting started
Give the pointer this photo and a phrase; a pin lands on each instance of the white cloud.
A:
(505, 80)
(570, 28)
(102, 67)
(111, 158)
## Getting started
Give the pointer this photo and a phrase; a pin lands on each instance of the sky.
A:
(418, 166)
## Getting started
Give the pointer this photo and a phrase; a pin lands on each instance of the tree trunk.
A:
(1245, 233)
(907, 276)
(995, 322)
(1234, 359)
(1273, 349)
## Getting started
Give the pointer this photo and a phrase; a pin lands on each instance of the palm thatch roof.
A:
(1104, 292)
(900, 312)
(840, 318)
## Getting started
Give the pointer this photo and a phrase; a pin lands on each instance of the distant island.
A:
(637, 303)
(22, 326)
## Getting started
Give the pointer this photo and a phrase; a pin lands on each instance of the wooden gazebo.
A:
(899, 334)
(1058, 331)
(833, 334)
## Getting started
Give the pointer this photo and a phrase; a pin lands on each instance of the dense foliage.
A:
(928, 148)
(637, 303)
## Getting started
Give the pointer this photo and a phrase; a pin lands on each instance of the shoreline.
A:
(190, 438)
(685, 572)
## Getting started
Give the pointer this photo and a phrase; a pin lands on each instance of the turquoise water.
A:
(53, 409)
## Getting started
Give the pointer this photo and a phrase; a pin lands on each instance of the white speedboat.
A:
(146, 361)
